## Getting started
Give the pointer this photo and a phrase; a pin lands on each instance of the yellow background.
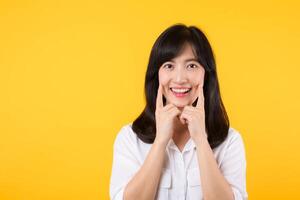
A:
(72, 74)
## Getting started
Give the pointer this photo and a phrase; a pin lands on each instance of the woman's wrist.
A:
(160, 142)
(200, 139)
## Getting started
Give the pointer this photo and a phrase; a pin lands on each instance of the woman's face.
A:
(181, 77)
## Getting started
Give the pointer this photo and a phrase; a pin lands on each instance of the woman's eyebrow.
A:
(191, 59)
(187, 60)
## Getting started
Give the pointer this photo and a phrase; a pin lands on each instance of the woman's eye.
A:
(168, 66)
(192, 66)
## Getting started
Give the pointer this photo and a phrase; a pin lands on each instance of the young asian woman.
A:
(181, 146)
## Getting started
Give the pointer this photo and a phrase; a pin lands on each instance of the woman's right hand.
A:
(164, 117)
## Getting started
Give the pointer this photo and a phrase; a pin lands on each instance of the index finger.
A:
(159, 101)
(200, 97)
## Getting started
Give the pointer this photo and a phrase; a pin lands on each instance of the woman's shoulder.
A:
(127, 140)
(233, 145)
(234, 134)
(126, 134)
(234, 140)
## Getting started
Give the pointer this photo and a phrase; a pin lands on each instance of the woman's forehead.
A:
(186, 54)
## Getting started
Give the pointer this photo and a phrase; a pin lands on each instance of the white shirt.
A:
(180, 179)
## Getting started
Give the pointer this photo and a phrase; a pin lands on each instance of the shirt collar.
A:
(188, 146)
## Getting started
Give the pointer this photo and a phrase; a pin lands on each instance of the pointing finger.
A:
(159, 100)
(200, 101)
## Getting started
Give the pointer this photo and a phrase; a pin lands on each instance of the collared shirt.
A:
(180, 178)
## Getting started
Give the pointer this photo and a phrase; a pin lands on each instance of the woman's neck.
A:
(181, 133)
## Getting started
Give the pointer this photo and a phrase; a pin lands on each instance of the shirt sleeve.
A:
(233, 167)
(125, 163)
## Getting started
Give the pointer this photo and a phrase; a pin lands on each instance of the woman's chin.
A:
(180, 105)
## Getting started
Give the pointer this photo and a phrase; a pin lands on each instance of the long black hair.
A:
(167, 46)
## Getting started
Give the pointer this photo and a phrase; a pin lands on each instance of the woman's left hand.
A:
(195, 117)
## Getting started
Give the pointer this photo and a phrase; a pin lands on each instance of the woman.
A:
(181, 146)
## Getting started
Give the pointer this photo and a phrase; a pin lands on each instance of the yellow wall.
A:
(72, 73)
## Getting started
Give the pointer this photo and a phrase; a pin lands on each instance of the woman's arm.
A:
(228, 182)
(150, 171)
(149, 174)
(214, 184)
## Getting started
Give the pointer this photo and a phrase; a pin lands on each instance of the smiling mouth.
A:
(180, 91)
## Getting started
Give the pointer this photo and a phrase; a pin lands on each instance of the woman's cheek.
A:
(162, 78)
(202, 77)
(200, 81)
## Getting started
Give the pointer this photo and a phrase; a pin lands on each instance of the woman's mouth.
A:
(180, 92)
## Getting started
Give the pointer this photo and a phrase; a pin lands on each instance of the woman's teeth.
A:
(182, 91)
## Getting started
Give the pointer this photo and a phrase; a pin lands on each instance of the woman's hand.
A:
(195, 117)
(164, 117)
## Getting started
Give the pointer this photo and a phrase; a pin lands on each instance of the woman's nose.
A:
(180, 76)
